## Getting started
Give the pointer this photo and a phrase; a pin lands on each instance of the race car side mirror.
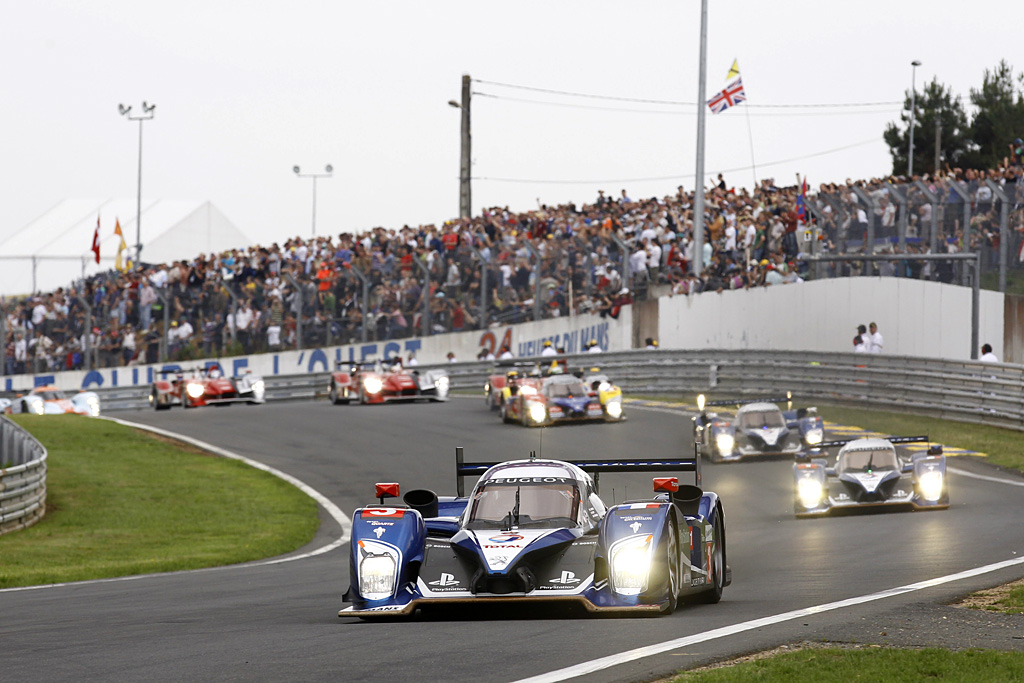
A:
(389, 490)
(908, 467)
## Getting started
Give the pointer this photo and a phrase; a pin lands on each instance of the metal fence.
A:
(22, 478)
(968, 391)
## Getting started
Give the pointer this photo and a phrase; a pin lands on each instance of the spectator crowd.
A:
(504, 267)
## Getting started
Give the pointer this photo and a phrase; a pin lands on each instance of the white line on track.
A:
(972, 475)
(333, 510)
(658, 648)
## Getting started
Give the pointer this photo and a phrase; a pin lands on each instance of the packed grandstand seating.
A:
(502, 267)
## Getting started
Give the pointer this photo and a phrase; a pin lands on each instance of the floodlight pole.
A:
(328, 170)
(147, 114)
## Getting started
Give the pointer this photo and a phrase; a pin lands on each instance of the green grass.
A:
(842, 665)
(122, 502)
(1012, 603)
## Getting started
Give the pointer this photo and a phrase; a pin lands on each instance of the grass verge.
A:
(841, 665)
(122, 502)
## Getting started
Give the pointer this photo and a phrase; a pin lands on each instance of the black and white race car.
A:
(869, 473)
(759, 428)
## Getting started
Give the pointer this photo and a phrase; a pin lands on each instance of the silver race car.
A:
(759, 428)
(868, 473)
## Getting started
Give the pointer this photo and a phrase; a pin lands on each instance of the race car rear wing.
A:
(890, 439)
(788, 398)
(594, 467)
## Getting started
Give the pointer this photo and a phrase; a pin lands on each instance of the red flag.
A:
(96, 240)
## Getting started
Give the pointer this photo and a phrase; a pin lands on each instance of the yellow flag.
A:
(119, 261)
(734, 72)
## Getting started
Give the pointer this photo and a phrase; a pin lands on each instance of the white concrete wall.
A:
(916, 318)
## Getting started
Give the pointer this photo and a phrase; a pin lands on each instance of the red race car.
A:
(383, 382)
(204, 387)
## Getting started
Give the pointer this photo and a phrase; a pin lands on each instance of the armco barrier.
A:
(969, 391)
(22, 477)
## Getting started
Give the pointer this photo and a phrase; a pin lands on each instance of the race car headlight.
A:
(373, 385)
(813, 436)
(725, 443)
(93, 403)
(527, 391)
(377, 576)
(194, 389)
(538, 412)
(258, 388)
(930, 484)
(631, 564)
(36, 407)
(809, 492)
(615, 409)
(441, 384)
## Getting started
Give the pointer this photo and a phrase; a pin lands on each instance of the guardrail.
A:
(22, 478)
(968, 391)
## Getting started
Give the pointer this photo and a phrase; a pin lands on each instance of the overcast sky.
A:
(246, 90)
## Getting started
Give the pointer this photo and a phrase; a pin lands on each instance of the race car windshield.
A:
(567, 389)
(540, 506)
(757, 420)
(868, 460)
(51, 395)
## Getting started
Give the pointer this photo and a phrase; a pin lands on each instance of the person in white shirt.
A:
(505, 353)
(875, 340)
(986, 354)
(858, 344)
(593, 346)
(549, 349)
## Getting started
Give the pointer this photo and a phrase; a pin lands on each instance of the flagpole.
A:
(697, 257)
(750, 136)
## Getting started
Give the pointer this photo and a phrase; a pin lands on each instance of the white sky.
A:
(246, 90)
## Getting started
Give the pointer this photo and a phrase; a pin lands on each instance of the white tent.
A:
(56, 248)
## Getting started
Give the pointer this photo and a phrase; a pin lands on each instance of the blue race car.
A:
(561, 398)
(536, 530)
(760, 428)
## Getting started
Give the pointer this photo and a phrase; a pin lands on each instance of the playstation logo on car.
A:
(445, 580)
(567, 578)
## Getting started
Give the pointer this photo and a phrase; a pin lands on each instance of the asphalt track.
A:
(278, 621)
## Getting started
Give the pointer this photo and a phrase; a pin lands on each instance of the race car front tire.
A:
(671, 562)
(333, 394)
(717, 568)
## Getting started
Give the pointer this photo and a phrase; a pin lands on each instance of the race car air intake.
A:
(423, 501)
(687, 498)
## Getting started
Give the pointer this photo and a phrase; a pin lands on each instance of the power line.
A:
(671, 113)
(568, 93)
(672, 177)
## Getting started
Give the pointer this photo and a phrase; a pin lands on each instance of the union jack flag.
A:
(732, 95)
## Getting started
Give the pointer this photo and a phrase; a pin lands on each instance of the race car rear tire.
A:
(503, 413)
(717, 568)
(156, 402)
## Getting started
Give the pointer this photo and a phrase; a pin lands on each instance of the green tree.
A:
(935, 104)
(999, 118)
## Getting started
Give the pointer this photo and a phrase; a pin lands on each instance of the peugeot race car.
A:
(563, 398)
(49, 400)
(536, 530)
(759, 428)
(204, 387)
(869, 473)
(377, 382)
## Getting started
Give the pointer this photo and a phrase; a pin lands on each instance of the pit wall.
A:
(916, 318)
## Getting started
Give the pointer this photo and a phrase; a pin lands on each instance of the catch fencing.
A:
(22, 477)
(968, 391)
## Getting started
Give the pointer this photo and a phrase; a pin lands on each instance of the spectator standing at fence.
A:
(243, 325)
(146, 298)
(986, 354)
(549, 349)
(875, 340)
(858, 344)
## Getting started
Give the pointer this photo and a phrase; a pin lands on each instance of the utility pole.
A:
(938, 141)
(465, 150)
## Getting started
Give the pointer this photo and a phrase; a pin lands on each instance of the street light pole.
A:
(147, 114)
(329, 170)
(913, 109)
(697, 242)
(465, 151)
